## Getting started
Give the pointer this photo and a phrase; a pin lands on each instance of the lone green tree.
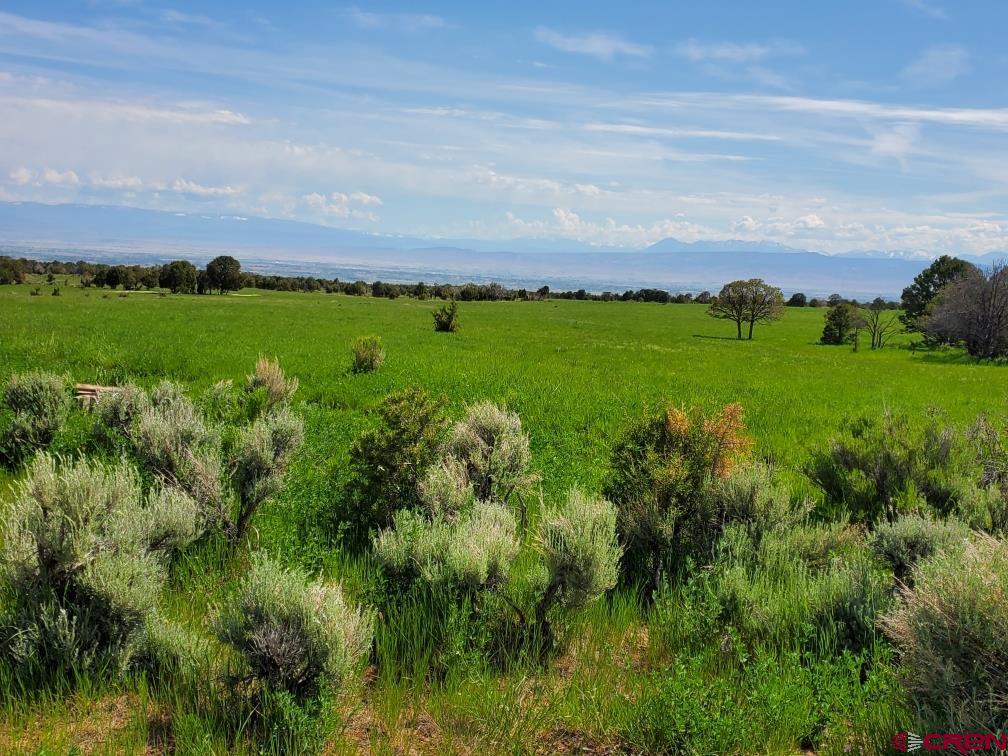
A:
(179, 276)
(224, 274)
(918, 297)
(842, 323)
(750, 301)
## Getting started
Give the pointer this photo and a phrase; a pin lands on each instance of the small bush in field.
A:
(116, 411)
(446, 318)
(910, 539)
(368, 354)
(661, 480)
(577, 541)
(951, 633)
(879, 468)
(172, 439)
(39, 404)
(293, 634)
(387, 462)
(83, 563)
(470, 552)
(491, 447)
(262, 454)
(269, 377)
(751, 496)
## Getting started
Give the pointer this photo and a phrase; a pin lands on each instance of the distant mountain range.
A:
(292, 247)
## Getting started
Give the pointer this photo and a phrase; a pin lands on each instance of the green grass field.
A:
(577, 373)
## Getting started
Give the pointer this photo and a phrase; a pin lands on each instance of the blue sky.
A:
(833, 126)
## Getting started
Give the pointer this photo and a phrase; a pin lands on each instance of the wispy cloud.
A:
(937, 65)
(733, 52)
(601, 45)
(406, 22)
(657, 131)
(928, 9)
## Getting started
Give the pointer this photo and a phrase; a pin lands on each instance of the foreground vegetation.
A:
(621, 529)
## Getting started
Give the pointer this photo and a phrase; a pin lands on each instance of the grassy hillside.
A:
(577, 373)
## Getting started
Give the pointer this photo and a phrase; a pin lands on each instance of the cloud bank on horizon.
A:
(870, 124)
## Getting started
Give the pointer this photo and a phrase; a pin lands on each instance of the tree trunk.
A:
(751, 324)
(738, 323)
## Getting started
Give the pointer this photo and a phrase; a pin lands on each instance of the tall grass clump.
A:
(387, 462)
(269, 381)
(297, 643)
(446, 318)
(951, 633)
(38, 404)
(368, 354)
(83, 562)
(662, 474)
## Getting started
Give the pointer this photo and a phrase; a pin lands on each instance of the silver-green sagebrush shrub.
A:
(293, 634)
(39, 404)
(444, 488)
(469, 552)
(171, 438)
(83, 562)
(951, 633)
(368, 354)
(751, 496)
(491, 446)
(116, 411)
(578, 544)
(261, 457)
(910, 539)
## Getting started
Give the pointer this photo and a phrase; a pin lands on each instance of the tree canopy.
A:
(224, 274)
(750, 301)
(918, 297)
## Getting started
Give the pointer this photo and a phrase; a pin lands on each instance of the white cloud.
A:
(928, 9)
(732, 52)
(937, 65)
(566, 224)
(116, 182)
(408, 22)
(22, 176)
(897, 142)
(342, 205)
(601, 45)
(675, 133)
(184, 186)
(65, 178)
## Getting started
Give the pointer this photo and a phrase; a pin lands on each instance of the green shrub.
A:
(912, 538)
(387, 462)
(39, 404)
(951, 633)
(83, 562)
(166, 650)
(661, 480)
(492, 450)
(880, 468)
(269, 378)
(262, 455)
(172, 440)
(368, 354)
(446, 318)
(577, 541)
(468, 553)
(292, 634)
(750, 495)
(116, 411)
